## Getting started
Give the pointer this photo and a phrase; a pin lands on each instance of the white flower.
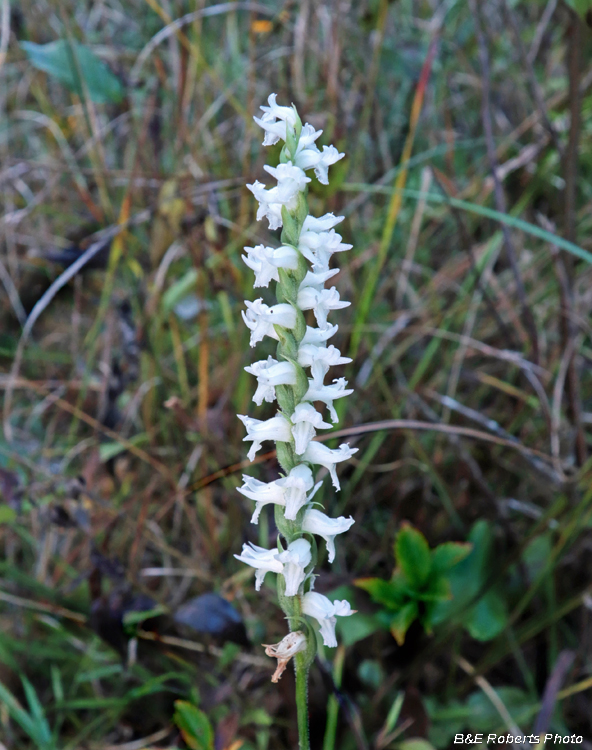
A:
(306, 419)
(318, 523)
(283, 651)
(308, 155)
(260, 319)
(277, 429)
(317, 279)
(328, 393)
(291, 181)
(262, 493)
(267, 207)
(317, 453)
(322, 223)
(318, 247)
(264, 560)
(311, 158)
(270, 373)
(290, 491)
(295, 559)
(318, 335)
(265, 261)
(321, 302)
(320, 359)
(324, 611)
(275, 130)
(295, 487)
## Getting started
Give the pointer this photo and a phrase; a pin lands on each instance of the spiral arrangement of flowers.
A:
(295, 380)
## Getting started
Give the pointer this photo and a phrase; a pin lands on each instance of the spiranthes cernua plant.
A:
(295, 380)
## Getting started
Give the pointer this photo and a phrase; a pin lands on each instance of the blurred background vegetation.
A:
(126, 142)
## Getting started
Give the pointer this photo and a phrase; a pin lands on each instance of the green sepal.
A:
(287, 603)
(288, 286)
(285, 456)
(291, 142)
(289, 347)
(302, 270)
(299, 329)
(285, 398)
(299, 390)
(291, 228)
(301, 210)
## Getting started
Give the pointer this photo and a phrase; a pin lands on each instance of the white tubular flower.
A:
(318, 335)
(306, 419)
(317, 279)
(318, 247)
(274, 130)
(270, 373)
(262, 493)
(291, 181)
(318, 523)
(265, 261)
(324, 611)
(283, 651)
(260, 319)
(294, 561)
(328, 393)
(320, 359)
(277, 429)
(321, 302)
(298, 482)
(317, 453)
(321, 224)
(263, 560)
(308, 155)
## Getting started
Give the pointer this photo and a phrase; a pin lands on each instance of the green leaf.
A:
(132, 618)
(356, 628)
(438, 589)
(391, 594)
(483, 716)
(487, 618)
(402, 620)
(413, 556)
(194, 725)
(449, 554)
(68, 62)
(581, 7)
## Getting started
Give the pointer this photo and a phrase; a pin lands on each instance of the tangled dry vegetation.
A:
(121, 376)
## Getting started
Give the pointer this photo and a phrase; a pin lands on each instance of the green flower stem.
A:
(302, 700)
(288, 398)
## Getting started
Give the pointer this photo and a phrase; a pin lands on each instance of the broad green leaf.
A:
(413, 556)
(68, 62)
(449, 554)
(487, 618)
(356, 628)
(402, 620)
(438, 589)
(388, 593)
(581, 7)
(194, 726)
(483, 716)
